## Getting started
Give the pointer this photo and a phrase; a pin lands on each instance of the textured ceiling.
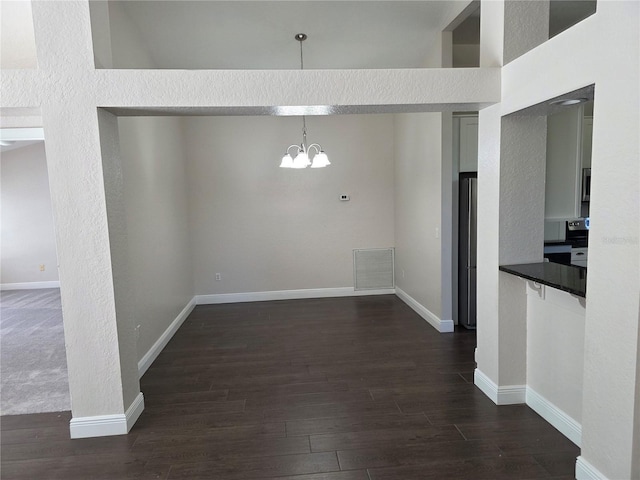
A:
(260, 34)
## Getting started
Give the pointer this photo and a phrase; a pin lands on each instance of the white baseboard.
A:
(134, 411)
(107, 425)
(504, 395)
(586, 471)
(288, 295)
(148, 358)
(442, 326)
(556, 417)
(30, 285)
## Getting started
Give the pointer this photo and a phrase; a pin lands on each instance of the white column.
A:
(489, 134)
(511, 171)
(101, 358)
(511, 167)
(488, 325)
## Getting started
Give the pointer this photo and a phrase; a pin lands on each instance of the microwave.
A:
(586, 184)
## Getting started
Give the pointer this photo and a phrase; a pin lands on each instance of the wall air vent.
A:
(373, 268)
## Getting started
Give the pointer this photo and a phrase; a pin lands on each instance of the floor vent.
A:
(373, 268)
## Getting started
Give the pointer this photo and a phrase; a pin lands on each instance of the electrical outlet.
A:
(137, 333)
(42, 267)
(218, 277)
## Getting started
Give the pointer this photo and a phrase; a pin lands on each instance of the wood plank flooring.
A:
(354, 388)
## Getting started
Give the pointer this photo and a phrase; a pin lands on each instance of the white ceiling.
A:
(260, 34)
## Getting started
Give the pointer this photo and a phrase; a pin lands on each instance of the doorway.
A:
(33, 365)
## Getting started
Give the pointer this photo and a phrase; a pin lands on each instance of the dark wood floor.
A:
(330, 389)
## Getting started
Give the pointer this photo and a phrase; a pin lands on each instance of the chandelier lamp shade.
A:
(301, 158)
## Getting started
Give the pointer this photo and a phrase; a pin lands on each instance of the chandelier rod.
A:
(301, 37)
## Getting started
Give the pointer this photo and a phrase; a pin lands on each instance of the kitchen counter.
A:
(569, 278)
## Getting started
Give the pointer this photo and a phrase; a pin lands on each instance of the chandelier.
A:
(301, 157)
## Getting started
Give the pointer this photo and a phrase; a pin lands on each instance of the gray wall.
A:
(264, 228)
(27, 220)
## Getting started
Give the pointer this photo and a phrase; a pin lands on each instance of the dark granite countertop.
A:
(569, 278)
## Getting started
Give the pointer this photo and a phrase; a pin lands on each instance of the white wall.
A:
(128, 50)
(27, 219)
(466, 55)
(418, 207)
(121, 286)
(555, 346)
(101, 32)
(156, 204)
(116, 40)
(527, 26)
(17, 41)
(264, 228)
(424, 204)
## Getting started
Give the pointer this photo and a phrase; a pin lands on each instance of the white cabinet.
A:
(564, 164)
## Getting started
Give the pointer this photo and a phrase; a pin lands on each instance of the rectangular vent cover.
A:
(373, 268)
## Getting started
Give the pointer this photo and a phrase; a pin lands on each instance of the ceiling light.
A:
(301, 158)
(6, 143)
(564, 102)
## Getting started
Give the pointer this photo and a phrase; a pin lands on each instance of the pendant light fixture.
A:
(301, 158)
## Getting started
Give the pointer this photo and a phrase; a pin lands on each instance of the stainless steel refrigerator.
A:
(467, 238)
